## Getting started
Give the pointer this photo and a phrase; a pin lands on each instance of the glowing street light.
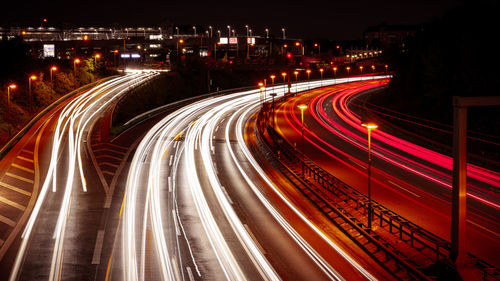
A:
(272, 78)
(11, 86)
(348, 68)
(114, 56)
(369, 126)
(283, 30)
(302, 107)
(373, 68)
(308, 77)
(75, 62)
(267, 32)
(334, 72)
(316, 45)
(284, 86)
(228, 31)
(210, 27)
(31, 78)
(96, 58)
(180, 41)
(52, 69)
(321, 72)
(386, 66)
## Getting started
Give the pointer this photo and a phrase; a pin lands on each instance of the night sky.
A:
(305, 19)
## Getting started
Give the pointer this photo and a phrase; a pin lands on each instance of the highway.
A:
(409, 179)
(199, 207)
(49, 241)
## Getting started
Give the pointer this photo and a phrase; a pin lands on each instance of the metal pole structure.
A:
(302, 108)
(458, 251)
(369, 126)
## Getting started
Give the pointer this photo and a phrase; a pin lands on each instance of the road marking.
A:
(355, 162)
(7, 221)
(25, 159)
(27, 151)
(169, 182)
(108, 156)
(19, 177)
(413, 193)
(12, 203)
(190, 273)
(484, 228)
(227, 195)
(23, 168)
(108, 172)
(109, 164)
(16, 189)
(176, 225)
(254, 239)
(96, 258)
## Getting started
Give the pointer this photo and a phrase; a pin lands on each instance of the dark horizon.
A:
(335, 21)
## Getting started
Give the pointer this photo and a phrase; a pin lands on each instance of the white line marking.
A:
(190, 273)
(19, 177)
(23, 168)
(176, 224)
(96, 258)
(19, 190)
(12, 203)
(25, 159)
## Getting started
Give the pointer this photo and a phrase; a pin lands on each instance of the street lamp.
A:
(11, 86)
(386, 66)
(210, 27)
(194, 28)
(219, 32)
(31, 78)
(334, 72)
(369, 126)
(114, 57)
(75, 62)
(308, 77)
(302, 107)
(228, 31)
(177, 30)
(52, 69)
(284, 86)
(373, 68)
(321, 72)
(296, 73)
(272, 79)
(267, 32)
(180, 41)
(96, 58)
(316, 45)
(348, 68)
(283, 30)
(246, 26)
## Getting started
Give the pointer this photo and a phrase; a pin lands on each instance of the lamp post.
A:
(228, 31)
(283, 30)
(267, 32)
(308, 77)
(348, 68)
(177, 30)
(11, 86)
(96, 58)
(302, 107)
(114, 57)
(272, 79)
(210, 27)
(296, 73)
(52, 69)
(316, 45)
(386, 66)
(31, 78)
(369, 127)
(194, 28)
(246, 26)
(180, 41)
(261, 87)
(321, 72)
(75, 62)
(219, 32)
(334, 72)
(284, 84)
(373, 68)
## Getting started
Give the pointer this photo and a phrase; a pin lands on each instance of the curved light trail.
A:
(198, 123)
(72, 123)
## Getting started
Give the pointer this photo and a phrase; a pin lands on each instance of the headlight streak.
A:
(76, 109)
(199, 134)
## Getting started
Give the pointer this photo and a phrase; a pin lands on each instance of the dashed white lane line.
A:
(7, 221)
(96, 258)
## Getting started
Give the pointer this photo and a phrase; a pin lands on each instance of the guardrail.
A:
(13, 141)
(350, 201)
